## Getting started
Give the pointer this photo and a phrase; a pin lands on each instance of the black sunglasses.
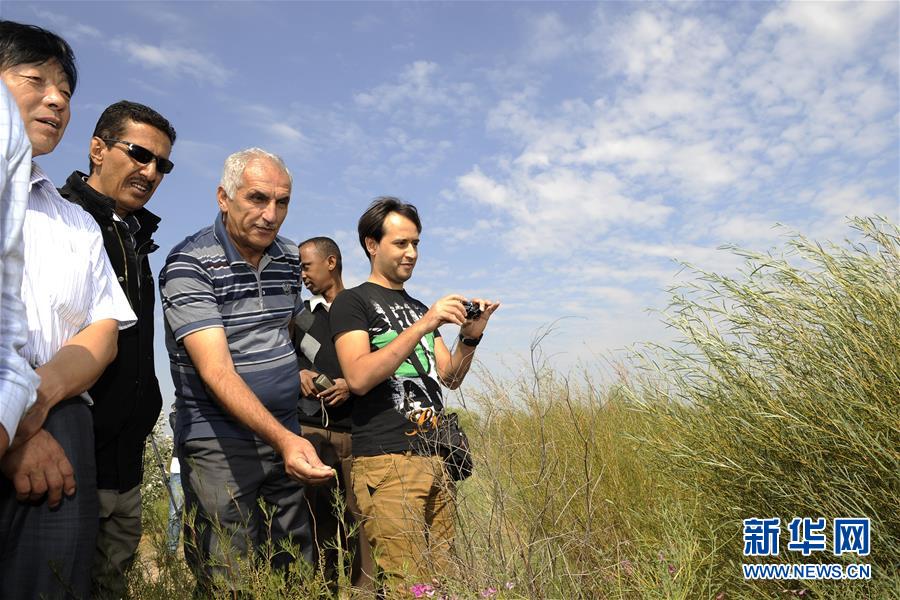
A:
(143, 156)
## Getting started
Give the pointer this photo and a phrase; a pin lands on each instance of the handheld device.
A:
(473, 311)
(322, 382)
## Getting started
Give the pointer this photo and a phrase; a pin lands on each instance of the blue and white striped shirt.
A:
(18, 381)
(206, 283)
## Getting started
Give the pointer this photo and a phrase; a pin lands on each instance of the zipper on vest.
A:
(124, 259)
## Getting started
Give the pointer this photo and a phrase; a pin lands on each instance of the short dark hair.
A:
(371, 223)
(326, 247)
(115, 118)
(21, 44)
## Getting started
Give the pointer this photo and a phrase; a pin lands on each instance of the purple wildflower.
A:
(489, 592)
(421, 590)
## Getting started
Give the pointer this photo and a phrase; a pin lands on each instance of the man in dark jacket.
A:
(129, 156)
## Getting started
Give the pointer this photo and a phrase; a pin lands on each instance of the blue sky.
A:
(563, 155)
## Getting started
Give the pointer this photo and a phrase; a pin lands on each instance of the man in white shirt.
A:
(74, 308)
(18, 382)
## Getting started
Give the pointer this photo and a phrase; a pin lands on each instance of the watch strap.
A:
(471, 342)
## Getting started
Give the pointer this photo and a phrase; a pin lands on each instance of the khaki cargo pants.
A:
(408, 505)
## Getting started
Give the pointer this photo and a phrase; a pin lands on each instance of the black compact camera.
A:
(473, 311)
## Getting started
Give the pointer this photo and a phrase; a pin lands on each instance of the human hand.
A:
(39, 466)
(302, 463)
(307, 385)
(336, 394)
(448, 309)
(473, 328)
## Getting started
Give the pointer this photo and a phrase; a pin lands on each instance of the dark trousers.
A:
(224, 480)
(47, 553)
(335, 449)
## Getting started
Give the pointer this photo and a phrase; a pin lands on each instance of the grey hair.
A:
(237, 163)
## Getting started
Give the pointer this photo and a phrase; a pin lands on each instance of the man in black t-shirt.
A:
(394, 361)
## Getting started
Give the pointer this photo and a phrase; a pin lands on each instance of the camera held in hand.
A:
(322, 382)
(473, 311)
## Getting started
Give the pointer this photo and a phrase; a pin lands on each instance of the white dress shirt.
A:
(69, 282)
(316, 300)
(18, 381)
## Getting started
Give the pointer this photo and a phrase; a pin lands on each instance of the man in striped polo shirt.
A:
(229, 293)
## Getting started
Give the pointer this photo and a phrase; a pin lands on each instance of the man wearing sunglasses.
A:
(129, 155)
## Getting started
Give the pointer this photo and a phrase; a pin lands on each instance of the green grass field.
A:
(781, 399)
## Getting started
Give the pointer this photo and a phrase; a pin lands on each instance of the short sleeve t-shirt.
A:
(391, 416)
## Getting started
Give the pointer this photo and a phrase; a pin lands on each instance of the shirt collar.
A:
(37, 175)
(274, 251)
(134, 224)
(317, 300)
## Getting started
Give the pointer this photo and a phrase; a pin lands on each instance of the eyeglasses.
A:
(144, 156)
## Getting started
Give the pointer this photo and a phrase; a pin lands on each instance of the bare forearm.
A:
(459, 364)
(368, 370)
(78, 364)
(236, 397)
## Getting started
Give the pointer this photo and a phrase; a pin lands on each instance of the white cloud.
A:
(395, 155)
(728, 122)
(832, 29)
(741, 228)
(551, 209)
(173, 59)
(285, 132)
(73, 30)
(477, 185)
(276, 123)
(550, 38)
(419, 96)
(853, 199)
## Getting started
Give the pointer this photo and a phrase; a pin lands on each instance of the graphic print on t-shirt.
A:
(414, 391)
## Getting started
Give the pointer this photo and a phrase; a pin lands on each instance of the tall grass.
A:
(782, 399)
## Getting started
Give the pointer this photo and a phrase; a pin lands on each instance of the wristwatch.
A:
(470, 341)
